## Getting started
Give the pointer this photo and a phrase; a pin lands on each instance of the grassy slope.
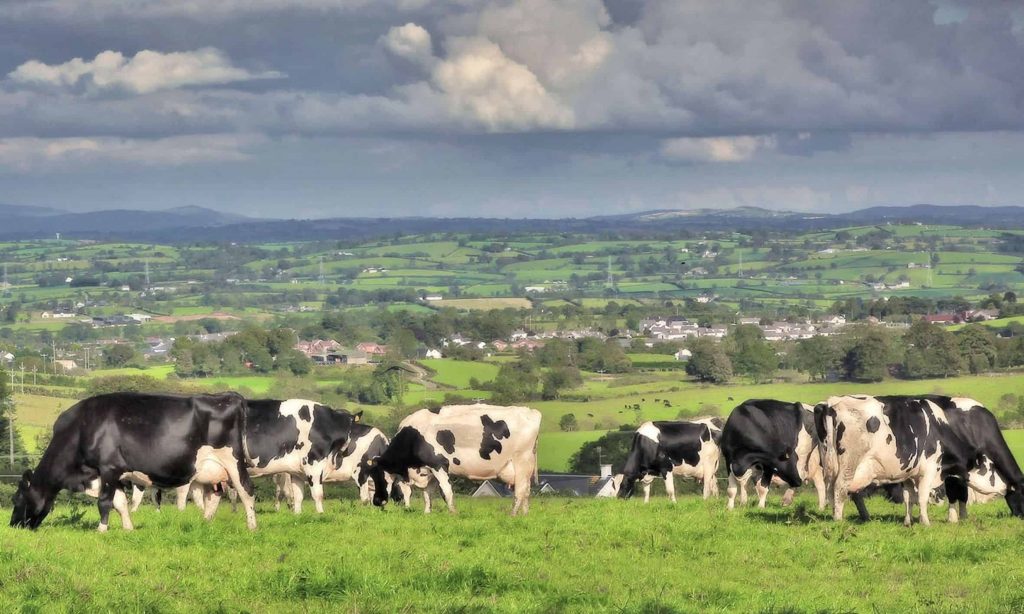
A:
(567, 555)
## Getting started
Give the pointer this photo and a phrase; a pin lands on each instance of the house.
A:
(433, 297)
(6, 358)
(372, 348)
(341, 356)
(317, 346)
(683, 355)
(980, 315)
(158, 348)
(432, 353)
(944, 319)
(754, 321)
(140, 318)
(535, 289)
(517, 335)
(492, 489)
(500, 345)
(65, 364)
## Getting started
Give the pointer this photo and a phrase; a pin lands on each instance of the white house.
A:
(683, 355)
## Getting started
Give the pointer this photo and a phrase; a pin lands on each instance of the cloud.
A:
(483, 86)
(411, 43)
(715, 149)
(195, 9)
(146, 72)
(27, 154)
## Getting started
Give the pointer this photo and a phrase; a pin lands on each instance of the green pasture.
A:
(567, 555)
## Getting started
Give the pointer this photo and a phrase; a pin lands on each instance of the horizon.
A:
(312, 109)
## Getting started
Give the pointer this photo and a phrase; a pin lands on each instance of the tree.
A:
(568, 423)
(709, 362)
(613, 446)
(867, 358)
(978, 347)
(931, 351)
(750, 353)
(118, 355)
(515, 382)
(558, 378)
(818, 356)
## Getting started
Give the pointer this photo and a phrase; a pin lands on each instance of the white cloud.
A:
(196, 9)
(715, 149)
(484, 87)
(411, 43)
(27, 154)
(147, 71)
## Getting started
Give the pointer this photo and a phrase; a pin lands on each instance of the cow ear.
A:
(370, 462)
(27, 477)
(358, 416)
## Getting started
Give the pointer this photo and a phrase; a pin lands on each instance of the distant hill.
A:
(200, 224)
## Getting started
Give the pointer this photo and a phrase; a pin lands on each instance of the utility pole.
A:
(10, 417)
(321, 270)
(611, 280)
(740, 272)
(147, 274)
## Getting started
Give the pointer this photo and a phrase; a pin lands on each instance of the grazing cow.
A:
(479, 442)
(666, 449)
(147, 439)
(301, 438)
(976, 457)
(881, 440)
(366, 442)
(766, 439)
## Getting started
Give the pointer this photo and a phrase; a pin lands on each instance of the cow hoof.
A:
(102, 528)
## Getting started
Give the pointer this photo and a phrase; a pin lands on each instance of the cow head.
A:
(1015, 499)
(32, 502)
(787, 467)
(624, 485)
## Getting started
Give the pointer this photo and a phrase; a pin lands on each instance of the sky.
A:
(509, 108)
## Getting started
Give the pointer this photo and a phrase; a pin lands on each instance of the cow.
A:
(147, 439)
(884, 440)
(479, 442)
(365, 442)
(301, 438)
(766, 439)
(665, 449)
(990, 466)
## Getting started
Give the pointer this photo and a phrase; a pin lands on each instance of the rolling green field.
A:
(568, 555)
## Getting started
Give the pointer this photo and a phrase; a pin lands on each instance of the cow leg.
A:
(158, 498)
(105, 501)
(211, 501)
(710, 483)
(279, 490)
(819, 487)
(670, 486)
(924, 491)
(956, 491)
(787, 497)
(446, 488)
(862, 508)
(647, 489)
(197, 492)
(761, 486)
(731, 491)
(138, 495)
(297, 496)
(121, 505)
(426, 500)
(181, 494)
(233, 498)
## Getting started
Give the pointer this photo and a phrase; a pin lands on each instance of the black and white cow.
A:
(479, 442)
(366, 442)
(147, 439)
(665, 449)
(301, 438)
(883, 440)
(766, 439)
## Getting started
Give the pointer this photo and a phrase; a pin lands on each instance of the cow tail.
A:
(830, 451)
(244, 424)
(536, 466)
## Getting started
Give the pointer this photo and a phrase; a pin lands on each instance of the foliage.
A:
(818, 356)
(611, 448)
(750, 354)
(931, 351)
(568, 423)
(709, 362)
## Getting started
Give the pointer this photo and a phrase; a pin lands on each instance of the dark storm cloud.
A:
(650, 87)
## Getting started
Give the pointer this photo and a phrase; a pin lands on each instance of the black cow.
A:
(160, 440)
(667, 448)
(773, 439)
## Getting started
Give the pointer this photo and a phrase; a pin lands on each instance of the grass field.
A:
(568, 555)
